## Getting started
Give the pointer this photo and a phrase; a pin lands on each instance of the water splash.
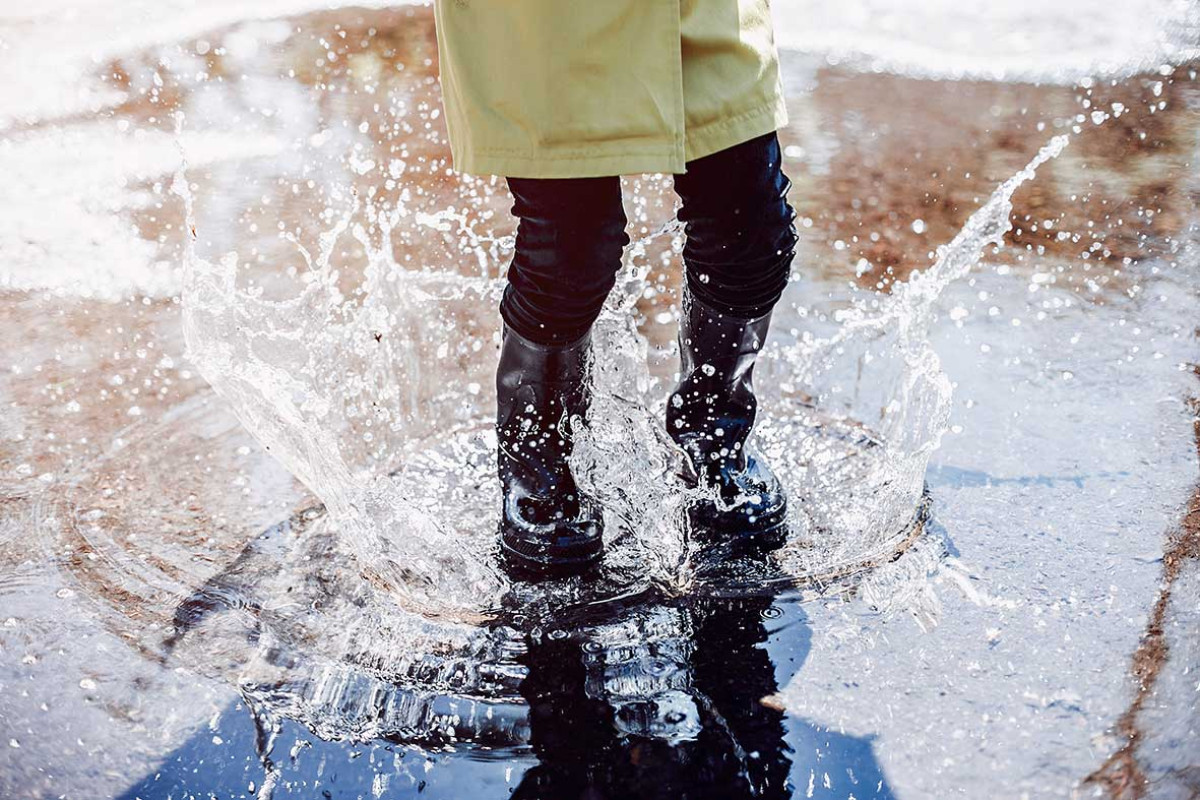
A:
(375, 398)
(876, 381)
(323, 380)
(381, 614)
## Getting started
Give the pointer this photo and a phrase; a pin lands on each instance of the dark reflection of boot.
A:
(731, 667)
(661, 701)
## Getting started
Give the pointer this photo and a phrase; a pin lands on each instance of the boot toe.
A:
(753, 507)
(561, 546)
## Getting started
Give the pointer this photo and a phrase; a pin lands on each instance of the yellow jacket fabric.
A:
(586, 88)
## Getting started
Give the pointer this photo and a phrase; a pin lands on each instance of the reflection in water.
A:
(648, 696)
(672, 700)
(678, 713)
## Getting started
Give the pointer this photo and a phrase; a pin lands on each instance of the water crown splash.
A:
(375, 399)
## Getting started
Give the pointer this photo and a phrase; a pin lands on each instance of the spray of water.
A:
(378, 400)
(874, 381)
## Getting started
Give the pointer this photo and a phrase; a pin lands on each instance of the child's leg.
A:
(569, 243)
(740, 232)
(740, 242)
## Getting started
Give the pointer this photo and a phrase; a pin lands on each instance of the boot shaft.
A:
(729, 344)
(540, 391)
(540, 385)
(712, 410)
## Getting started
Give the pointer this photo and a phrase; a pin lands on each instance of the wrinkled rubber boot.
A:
(710, 416)
(546, 526)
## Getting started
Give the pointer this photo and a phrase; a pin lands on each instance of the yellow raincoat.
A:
(584, 88)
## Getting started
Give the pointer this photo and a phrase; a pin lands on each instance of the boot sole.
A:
(525, 565)
(737, 534)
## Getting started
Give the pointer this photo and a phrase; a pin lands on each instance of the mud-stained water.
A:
(246, 498)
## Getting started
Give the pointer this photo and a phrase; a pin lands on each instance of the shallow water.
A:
(182, 617)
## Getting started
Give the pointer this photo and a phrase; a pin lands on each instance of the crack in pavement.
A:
(1122, 776)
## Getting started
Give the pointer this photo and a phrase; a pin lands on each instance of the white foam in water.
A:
(1011, 40)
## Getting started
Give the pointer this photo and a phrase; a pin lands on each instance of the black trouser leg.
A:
(571, 235)
(740, 229)
(570, 239)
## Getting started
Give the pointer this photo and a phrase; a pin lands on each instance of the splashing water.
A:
(375, 399)
(147, 560)
(877, 378)
(382, 613)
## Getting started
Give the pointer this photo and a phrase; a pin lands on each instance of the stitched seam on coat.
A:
(554, 153)
(716, 126)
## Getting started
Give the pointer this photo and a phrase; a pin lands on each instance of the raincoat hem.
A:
(729, 131)
(699, 142)
(620, 161)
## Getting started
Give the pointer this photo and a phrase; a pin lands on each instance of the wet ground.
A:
(178, 618)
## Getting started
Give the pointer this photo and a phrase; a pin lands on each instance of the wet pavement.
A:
(178, 618)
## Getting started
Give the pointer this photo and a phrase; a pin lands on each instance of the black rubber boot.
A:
(546, 526)
(710, 415)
